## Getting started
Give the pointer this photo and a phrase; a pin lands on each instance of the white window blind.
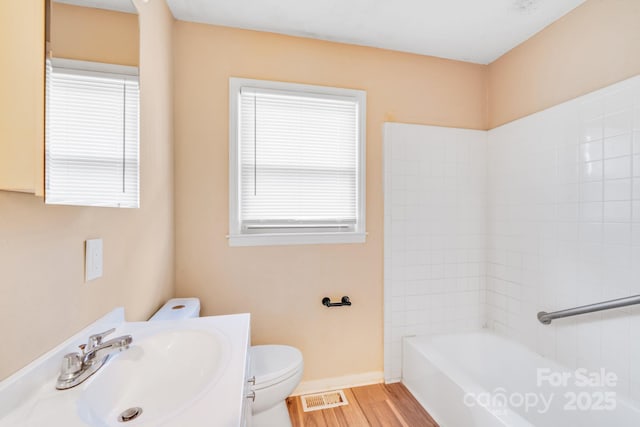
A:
(92, 137)
(299, 160)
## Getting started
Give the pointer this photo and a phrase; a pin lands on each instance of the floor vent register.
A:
(326, 400)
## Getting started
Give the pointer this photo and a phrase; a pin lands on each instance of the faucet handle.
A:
(96, 339)
(71, 365)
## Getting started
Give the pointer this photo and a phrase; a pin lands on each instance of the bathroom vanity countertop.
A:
(180, 372)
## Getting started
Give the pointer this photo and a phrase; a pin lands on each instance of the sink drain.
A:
(129, 414)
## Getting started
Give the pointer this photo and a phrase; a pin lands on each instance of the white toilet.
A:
(276, 370)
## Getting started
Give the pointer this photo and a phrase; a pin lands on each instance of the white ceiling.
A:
(118, 5)
(468, 30)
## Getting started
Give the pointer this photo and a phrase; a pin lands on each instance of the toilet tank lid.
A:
(270, 363)
(178, 308)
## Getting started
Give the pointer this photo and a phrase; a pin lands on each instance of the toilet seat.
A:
(272, 364)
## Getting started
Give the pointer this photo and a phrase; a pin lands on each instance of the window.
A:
(296, 164)
(91, 147)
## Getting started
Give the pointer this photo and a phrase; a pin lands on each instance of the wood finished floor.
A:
(379, 405)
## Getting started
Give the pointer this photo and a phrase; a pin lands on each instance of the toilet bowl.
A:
(277, 370)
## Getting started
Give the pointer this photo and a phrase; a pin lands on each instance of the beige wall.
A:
(94, 35)
(282, 286)
(43, 295)
(594, 46)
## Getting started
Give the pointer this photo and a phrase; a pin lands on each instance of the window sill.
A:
(278, 239)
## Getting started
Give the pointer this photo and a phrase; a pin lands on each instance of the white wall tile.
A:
(540, 214)
(435, 226)
(617, 168)
(618, 146)
(591, 257)
(618, 123)
(619, 189)
(591, 151)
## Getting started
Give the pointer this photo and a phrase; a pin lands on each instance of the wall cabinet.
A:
(22, 43)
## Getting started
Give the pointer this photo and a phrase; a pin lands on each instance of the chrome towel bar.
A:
(546, 318)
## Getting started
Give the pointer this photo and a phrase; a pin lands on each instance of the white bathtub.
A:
(463, 380)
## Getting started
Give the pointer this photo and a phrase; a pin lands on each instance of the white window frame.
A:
(236, 236)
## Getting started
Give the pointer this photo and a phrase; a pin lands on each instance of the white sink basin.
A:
(179, 373)
(161, 374)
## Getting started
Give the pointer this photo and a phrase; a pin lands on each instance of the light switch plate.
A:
(93, 259)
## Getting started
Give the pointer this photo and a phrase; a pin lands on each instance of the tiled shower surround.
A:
(561, 212)
(435, 233)
(564, 230)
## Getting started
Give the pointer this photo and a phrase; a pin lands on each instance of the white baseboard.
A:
(347, 381)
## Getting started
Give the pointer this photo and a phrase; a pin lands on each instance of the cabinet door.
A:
(22, 95)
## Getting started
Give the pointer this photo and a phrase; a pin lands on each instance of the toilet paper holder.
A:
(344, 301)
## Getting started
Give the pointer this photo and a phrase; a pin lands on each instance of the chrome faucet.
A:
(77, 367)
